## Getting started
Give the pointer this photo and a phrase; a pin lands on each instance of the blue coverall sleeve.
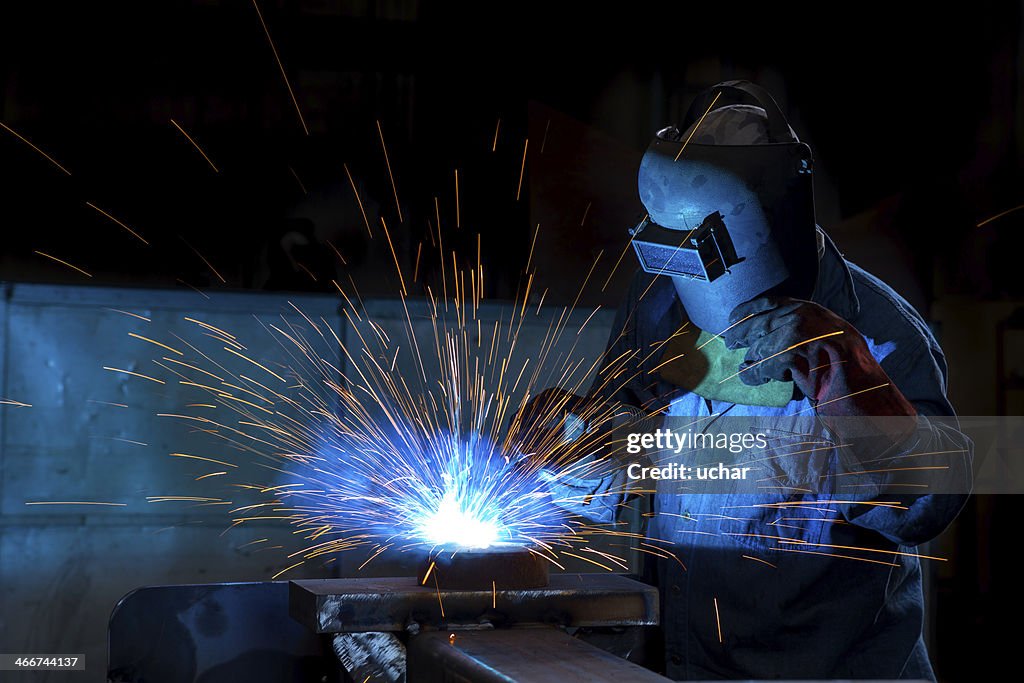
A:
(623, 378)
(921, 377)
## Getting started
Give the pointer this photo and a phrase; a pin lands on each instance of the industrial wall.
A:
(72, 431)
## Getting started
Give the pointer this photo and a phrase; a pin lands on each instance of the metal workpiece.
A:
(516, 655)
(486, 569)
(401, 604)
(378, 657)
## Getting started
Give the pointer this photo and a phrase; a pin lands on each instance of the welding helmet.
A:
(730, 210)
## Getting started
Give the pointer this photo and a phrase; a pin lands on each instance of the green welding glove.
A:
(823, 354)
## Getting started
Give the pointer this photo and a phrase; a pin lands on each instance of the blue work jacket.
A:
(733, 604)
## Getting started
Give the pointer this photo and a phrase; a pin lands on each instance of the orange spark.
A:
(427, 575)
(74, 502)
(358, 200)
(134, 315)
(862, 391)
(133, 233)
(398, 268)
(438, 588)
(203, 259)
(718, 620)
(107, 403)
(196, 145)
(281, 67)
(286, 569)
(261, 367)
(387, 161)
(587, 559)
(45, 155)
(193, 288)
(869, 550)
(135, 374)
(63, 263)
(123, 440)
(699, 121)
(522, 168)
(886, 469)
(199, 457)
(209, 327)
(338, 254)
(533, 245)
(298, 180)
(585, 212)
(984, 222)
(787, 350)
(843, 557)
(457, 216)
(153, 341)
(12, 402)
(758, 559)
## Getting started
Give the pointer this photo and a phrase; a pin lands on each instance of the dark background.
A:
(915, 116)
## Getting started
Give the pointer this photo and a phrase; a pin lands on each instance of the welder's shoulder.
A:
(650, 296)
(641, 281)
(896, 329)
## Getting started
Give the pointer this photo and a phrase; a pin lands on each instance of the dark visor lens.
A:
(704, 253)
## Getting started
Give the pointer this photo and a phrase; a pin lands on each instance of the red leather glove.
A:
(823, 354)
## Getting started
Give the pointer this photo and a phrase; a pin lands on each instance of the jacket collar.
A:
(835, 289)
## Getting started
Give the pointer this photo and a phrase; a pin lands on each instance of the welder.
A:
(743, 306)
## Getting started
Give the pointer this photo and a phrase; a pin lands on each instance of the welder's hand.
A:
(597, 499)
(578, 445)
(550, 409)
(823, 354)
(559, 427)
(549, 420)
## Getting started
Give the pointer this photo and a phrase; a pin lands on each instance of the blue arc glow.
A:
(456, 523)
(378, 459)
(454, 493)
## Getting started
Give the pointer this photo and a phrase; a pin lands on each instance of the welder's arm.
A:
(579, 446)
(596, 498)
(589, 477)
(625, 375)
(879, 417)
(935, 453)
